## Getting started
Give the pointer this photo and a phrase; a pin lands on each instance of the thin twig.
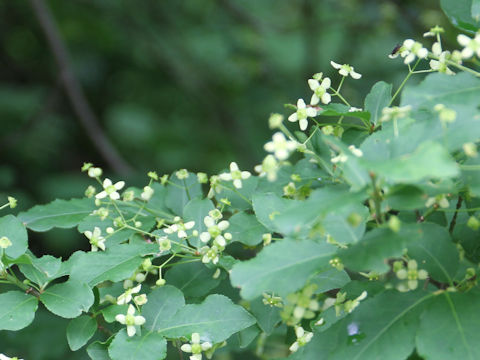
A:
(454, 218)
(74, 92)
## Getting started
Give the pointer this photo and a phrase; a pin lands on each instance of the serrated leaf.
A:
(68, 299)
(378, 98)
(148, 346)
(382, 327)
(435, 252)
(80, 330)
(58, 213)
(449, 327)
(180, 192)
(15, 231)
(215, 319)
(193, 279)
(246, 229)
(114, 264)
(282, 267)
(17, 310)
(163, 303)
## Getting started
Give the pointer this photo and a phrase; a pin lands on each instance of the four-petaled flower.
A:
(410, 50)
(268, 167)
(130, 320)
(214, 231)
(126, 297)
(301, 114)
(179, 227)
(96, 239)
(346, 70)
(195, 347)
(210, 254)
(280, 146)
(303, 337)
(110, 189)
(4, 357)
(470, 46)
(320, 91)
(235, 175)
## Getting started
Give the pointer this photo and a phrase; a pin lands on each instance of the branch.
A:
(75, 93)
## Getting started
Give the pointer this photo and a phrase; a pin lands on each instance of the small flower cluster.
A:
(215, 232)
(303, 337)
(347, 306)
(410, 50)
(300, 305)
(410, 274)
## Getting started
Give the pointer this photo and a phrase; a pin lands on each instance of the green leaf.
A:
(98, 351)
(429, 160)
(337, 224)
(41, 270)
(471, 175)
(330, 278)
(193, 279)
(334, 109)
(180, 192)
(158, 200)
(449, 327)
(196, 210)
(239, 198)
(215, 319)
(15, 231)
(148, 346)
(17, 310)
(460, 13)
(378, 98)
(59, 213)
(405, 197)
(377, 245)
(113, 310)
(382, 327)
(267, 207)
(435, 252)
(267, 316)
(68, 299)
(80, 330)
(476, 10)
(163, 303)
(114, 264)
(246, 229)
(282, 267)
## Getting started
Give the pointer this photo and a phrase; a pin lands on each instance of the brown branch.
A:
(74, 92)
(454, 218)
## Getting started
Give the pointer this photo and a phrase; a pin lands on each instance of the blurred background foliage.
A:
(173, 84)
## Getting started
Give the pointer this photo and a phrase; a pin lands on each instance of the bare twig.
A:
(454, 218)
(74, 92)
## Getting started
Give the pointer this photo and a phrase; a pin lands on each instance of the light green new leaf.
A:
(162, 304)
(59, 213)
(382, 327)
(17, 310)
(378, 98)
(148, 346)
(80, 330)
(460, 13)
(193, 279)
(180, 192)
(282, 267)
(246, 229)
(449, 327)
(215, 319)
(68, 299)
(15, 231)
(378, 245)
(435, 252)
(114, 264)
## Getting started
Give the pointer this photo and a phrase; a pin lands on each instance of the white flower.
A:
(268, 167)
(280, 146)
(210, 254)
(440, 65)
(410, 50)
(235, 175)
(340, 158)
(470, 46)
(94, 172)
(346, 70)
(5, 242)
(301, 114)
(395, 112)
(140, 299)
(126, 297)
(96, 240)
(355, 151)
(182, 174)
(437, 30)
(130, 320)
(147, 193)
(195, 347)
(179, 227)
(4, 357)
(354, 109)
(110, 189)
(303, 337)
(320, 91)
(214, 231)
(164, 244)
